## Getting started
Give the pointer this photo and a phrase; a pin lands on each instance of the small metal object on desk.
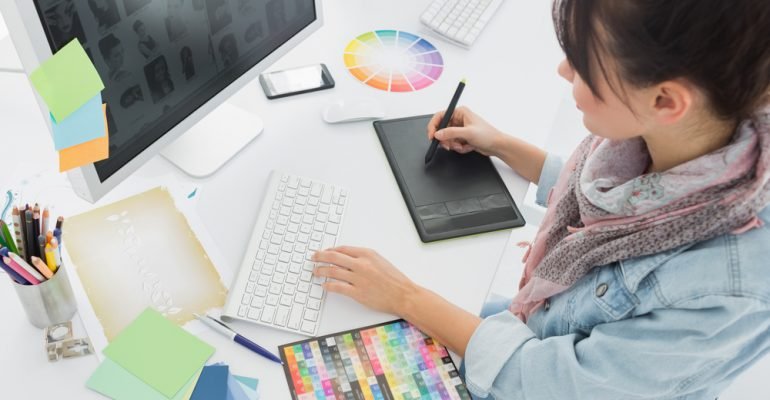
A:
(60, 344)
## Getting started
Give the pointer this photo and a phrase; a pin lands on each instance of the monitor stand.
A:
(211, 142)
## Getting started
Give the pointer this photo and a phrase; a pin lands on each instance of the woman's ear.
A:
(672, 101)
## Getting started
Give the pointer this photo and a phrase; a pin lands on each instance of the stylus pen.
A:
(225, 330)
(445, 121)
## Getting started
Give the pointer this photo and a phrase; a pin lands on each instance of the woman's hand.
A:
(466, 132)
(366, 277)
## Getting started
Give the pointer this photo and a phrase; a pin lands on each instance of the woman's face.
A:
(115, 60)
(608, 117)
(160, 71)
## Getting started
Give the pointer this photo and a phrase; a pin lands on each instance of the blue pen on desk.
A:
(220, 327)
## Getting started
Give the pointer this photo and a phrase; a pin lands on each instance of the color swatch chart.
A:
(391, 361)
(394, 61)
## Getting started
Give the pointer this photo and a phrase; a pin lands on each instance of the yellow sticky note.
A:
(88, 152)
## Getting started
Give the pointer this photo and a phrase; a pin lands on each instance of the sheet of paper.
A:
(67, 80)
(250, 393)
(85, 153)
(249, 382)
(235, 389)
(83, 125)
(113, 381)
(147, 255)
(212, 384)
(158, 352)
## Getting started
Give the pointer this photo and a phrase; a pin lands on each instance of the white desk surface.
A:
(512, 82)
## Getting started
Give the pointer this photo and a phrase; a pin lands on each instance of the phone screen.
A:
(296, 79)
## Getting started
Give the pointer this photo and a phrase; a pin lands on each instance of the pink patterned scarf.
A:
(607, 209)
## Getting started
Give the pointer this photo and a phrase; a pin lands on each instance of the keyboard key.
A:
(303, 191)
(242, 310)
(303, 287)
(257, 302)
(254, 314)
(311, 315)
(295, 318)
(250, 287)
(314, 304)
(278, 277)
(264, 280)
(293, 182)
(272, 300)
(282, 267)
(275, 288)
(332, 228)
(253, 276)
(286, 300)
(295, 267)
(305, 276)
(308, 327)
(267, 314)
(281, 316)
(246, 299)
(289, 289)
(300, 298)
(261, 291)
(292, 278)
(316, 291)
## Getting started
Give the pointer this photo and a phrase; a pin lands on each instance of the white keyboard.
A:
(460, 20)
(275, 285)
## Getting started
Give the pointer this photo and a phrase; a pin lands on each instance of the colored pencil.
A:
(56, 252)
(28, 222)
(50, 258)
(45, 217)
(40, 265)
(12, 273)
(26, 274)
(41, 247)
(17, 231)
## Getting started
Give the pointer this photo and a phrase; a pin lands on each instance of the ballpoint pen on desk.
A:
(225, 330)
(445, 121)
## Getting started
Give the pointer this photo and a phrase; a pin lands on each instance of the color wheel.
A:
(394, 61)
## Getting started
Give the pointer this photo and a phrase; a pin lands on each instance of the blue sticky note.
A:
(250, 393)
(235, 390)
(249, 382)
(83, 125)
(212, 384)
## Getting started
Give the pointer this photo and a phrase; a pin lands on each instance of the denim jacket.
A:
(680, 324)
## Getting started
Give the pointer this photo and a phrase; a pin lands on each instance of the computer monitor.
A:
(167, 66)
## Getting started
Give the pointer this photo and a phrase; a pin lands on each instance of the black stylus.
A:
(445, 121)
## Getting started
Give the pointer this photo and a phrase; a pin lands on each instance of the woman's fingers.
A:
(337, 273)
(335, 257)
(342, 288)
(352, 251)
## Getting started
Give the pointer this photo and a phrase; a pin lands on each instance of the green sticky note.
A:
(113, 381)
(67, 80)
(161, 354)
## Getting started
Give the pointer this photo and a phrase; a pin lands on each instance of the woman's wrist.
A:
(410, 302)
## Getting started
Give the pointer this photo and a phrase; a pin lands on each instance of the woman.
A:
(648, 278)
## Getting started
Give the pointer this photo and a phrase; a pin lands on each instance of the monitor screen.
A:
(162, 59)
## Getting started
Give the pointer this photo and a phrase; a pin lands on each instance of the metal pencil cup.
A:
(50, 302)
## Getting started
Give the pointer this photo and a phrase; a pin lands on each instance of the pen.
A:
(445, 121)
(41, 247)
(225, 330)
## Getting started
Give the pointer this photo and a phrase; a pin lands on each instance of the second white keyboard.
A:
(459, 20)
(275, 285)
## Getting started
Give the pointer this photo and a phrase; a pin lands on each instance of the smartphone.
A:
(298, 80)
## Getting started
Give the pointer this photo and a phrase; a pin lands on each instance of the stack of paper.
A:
(216, 383)
(71, 88)
(151, 359)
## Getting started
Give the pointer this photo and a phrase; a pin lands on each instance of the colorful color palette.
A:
(394, 61)
(393, 360)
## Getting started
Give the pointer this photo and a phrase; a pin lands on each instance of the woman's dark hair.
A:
(721, 46)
